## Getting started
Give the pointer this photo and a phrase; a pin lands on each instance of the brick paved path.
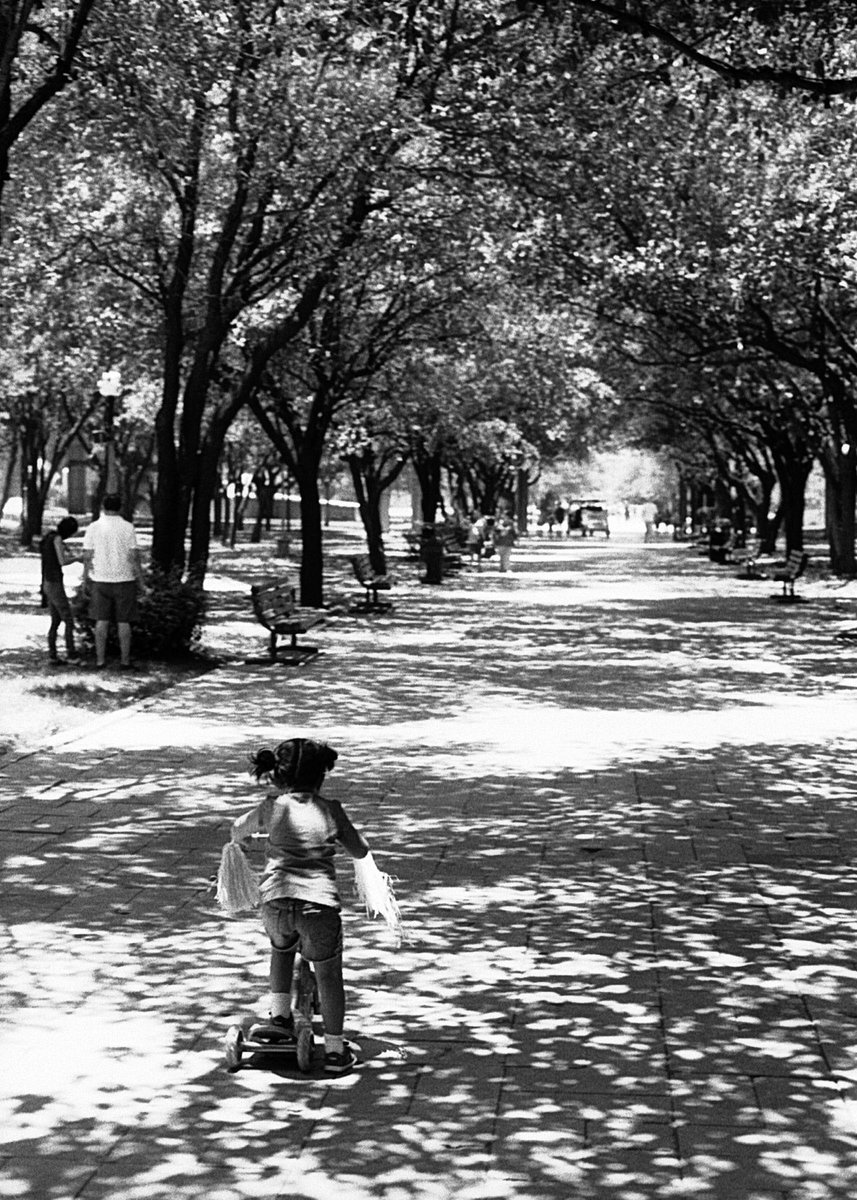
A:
(617, 791)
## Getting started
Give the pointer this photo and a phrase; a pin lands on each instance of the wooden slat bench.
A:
(372, 584)
(452, 546)
(792, 571)
(277, 609)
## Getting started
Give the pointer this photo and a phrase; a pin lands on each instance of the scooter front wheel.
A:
(234, 1047)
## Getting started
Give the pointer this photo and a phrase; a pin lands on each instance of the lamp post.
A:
(109, 388)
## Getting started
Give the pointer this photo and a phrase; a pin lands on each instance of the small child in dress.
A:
(300, 899)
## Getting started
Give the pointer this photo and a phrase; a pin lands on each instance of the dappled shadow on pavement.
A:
(616, 792)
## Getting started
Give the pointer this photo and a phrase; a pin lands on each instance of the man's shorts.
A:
(116, 601)
(314, 929)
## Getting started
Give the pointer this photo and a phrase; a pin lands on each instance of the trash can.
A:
(718, 541)
(432, 556)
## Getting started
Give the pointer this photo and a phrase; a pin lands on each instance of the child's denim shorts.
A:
(314, 929)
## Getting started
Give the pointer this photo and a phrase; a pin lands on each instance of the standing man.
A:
(112, 565)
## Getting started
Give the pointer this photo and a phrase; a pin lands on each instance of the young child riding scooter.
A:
(299, 894)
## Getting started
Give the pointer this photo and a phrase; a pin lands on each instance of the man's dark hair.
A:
(112, 502)
(67, 527)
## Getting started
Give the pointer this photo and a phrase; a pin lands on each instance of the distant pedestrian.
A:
(54, 557)
(112, 566)
(650, 516)
(572, 518)
(476, 538)
(504, 537)
(559, 517)
(485, 525)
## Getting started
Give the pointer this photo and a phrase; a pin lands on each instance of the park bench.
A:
(372, 584)
(795, 566)
(277, 610)
(452, 552)
(452, 546)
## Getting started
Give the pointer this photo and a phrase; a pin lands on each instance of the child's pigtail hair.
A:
(312, 763)
(287, 756)
(299, 763)
(264, 763)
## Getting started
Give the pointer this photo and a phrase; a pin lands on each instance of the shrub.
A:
(170, 614)
(170, 618)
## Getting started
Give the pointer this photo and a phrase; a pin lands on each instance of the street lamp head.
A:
(110, 384)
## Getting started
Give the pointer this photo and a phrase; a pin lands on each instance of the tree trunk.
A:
(793, 512)
(32, 512)
(207, 483)
(722, 499)
(455, 483)
(840, 473)
(241, 498)
(368, 493)
(428, 471)
(522, 501)
(312, 539)
(265, 491)
(169, 509)
(793, 474)
(226, 526)
(9, 475)
(759, 499)
(766, 526)
(33, 487)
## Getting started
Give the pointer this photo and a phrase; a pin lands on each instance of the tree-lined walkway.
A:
(616, 790)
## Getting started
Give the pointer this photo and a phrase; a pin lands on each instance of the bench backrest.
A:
(362, 567)
(273, 600)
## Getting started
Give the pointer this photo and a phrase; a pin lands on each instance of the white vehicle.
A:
(590, 517)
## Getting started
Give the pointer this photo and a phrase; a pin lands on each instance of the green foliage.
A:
(515, 226)
(170, 614)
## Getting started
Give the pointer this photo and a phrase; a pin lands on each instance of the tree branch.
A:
(817, 85)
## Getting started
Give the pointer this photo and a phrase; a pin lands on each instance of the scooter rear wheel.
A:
(305, 1048)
